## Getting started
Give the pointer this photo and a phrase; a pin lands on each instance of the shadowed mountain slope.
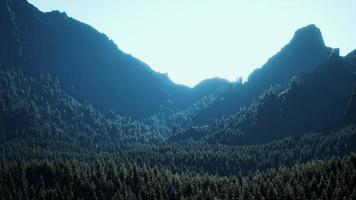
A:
(303, 54)
(89, 65)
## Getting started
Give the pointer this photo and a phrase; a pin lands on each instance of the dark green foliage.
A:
(334, 179)
(350, 113)
(54, 147)
(62, 85)
(191, 158)
(38, 108)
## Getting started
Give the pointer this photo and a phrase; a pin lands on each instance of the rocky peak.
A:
(308, 36)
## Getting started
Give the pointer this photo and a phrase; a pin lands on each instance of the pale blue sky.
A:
(192, 40)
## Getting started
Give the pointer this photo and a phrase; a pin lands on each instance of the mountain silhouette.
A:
(92, 68)
(211, 86)
(88, 64)
(303, 54)
(319, 100)
(81, 119)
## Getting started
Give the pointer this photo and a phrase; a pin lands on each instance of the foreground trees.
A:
(53, 146)
(333, 179)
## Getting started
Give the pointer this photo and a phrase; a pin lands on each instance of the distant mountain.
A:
(80, 119)
(211, 86)
(312, 102)
(89, 65)
(92, 68)
(303, 54)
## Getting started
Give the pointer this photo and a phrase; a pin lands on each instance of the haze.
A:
(196, 40)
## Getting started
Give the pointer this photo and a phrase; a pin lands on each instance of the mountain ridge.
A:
(296, 58)
(110, 79)
(55, 43)
(80, 119)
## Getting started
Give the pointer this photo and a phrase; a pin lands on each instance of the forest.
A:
(104, 125)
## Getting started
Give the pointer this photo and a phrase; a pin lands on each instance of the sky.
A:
(193, 40)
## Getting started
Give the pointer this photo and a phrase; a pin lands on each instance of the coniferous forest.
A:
(80, 119)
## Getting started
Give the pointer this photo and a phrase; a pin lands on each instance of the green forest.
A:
(103, 125)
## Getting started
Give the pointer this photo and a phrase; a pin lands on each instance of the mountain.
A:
(88, 68)
(350, 113)
(80, 119)
(211, 86)
(303, 54)
(88, 64)
(93, 69)
(319, 100)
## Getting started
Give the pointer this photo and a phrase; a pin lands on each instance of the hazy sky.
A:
(193, 40)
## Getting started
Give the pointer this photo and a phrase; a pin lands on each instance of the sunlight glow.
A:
(195, 40)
